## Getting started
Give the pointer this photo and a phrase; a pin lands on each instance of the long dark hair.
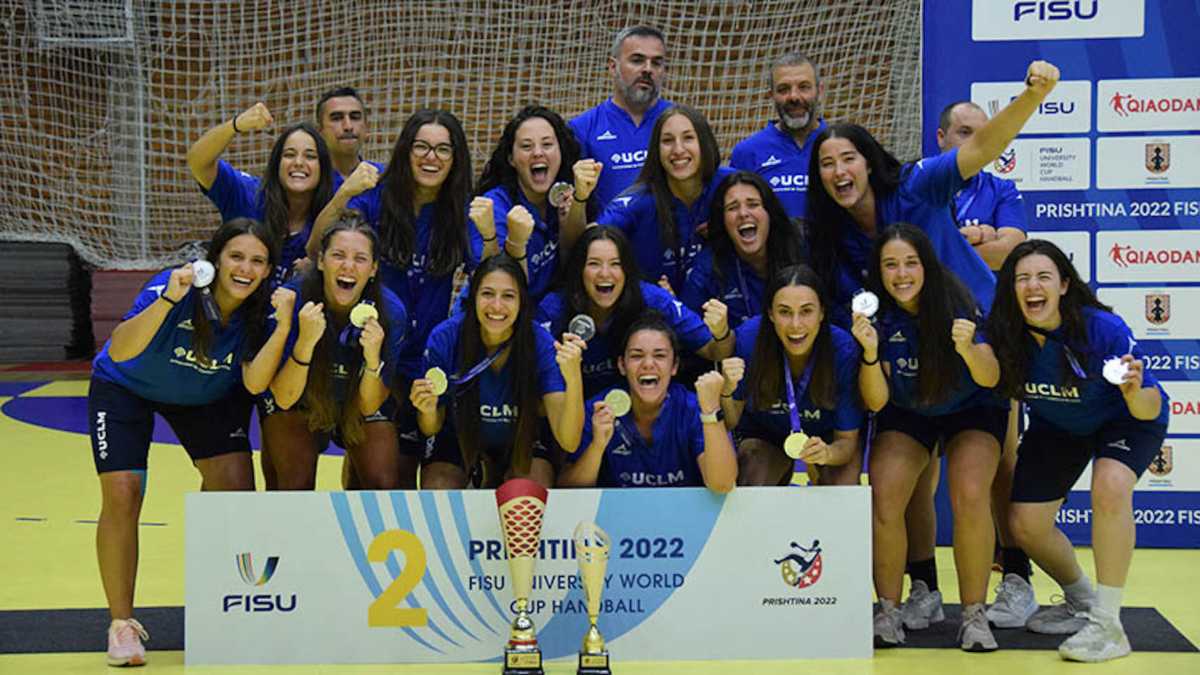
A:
(397, 222)
(653, 177)
(765, 377)
(785, 241)
(254, 308)
(522, 357)
(323, 413)
(825, 218)
(272, 193)
(499, 173)
(943, 298)
(1007, 331)
(630, 304)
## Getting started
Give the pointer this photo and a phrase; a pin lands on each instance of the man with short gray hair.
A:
(780, 151)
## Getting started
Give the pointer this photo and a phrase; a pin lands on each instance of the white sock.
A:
(1080, 592)
(1108, 600)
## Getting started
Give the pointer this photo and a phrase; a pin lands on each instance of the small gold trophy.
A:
(591, 550)
(522, 502)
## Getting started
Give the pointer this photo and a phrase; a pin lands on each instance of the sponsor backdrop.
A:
(396, 577)
(1109, 168)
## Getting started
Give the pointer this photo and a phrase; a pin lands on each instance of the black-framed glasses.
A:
(443, 151)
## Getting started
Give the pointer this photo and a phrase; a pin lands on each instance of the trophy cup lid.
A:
(520, 487)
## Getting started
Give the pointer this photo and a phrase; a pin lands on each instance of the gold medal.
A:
(363, 312)
(618, 401)
(437, 377)
(793, 445)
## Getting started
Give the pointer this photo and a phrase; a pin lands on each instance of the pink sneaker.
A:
(125, 643)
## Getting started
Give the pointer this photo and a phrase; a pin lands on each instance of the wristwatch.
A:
(377, 371)
(710, 418)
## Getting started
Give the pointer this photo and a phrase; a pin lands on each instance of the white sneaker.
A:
(1062, 618)
(974, 634)
(922, 607)
(125, 643)
(889, 626)
(1014, 604)
(1102, 639)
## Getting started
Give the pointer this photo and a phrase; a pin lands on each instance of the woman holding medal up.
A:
(168, 357)
(750, 238)
(800, 396)
(489, 371)
(928, 315)
(1090, 399)
(603, 295)
(340, 362)
(661, 436)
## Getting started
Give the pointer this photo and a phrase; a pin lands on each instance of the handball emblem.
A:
(801, 567)
(1006, 162)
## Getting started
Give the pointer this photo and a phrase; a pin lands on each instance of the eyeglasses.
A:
(443, 151)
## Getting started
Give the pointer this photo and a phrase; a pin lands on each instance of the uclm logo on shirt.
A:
(1056, 19)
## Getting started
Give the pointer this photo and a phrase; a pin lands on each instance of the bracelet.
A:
(523, 255)
(726, 395)
(486, 239)
(234, 123)
(869, 363)
(301, 363)
(577, 199)
(728, 332)
(169, 301)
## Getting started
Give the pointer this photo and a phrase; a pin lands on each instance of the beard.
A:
(636, 96)
(799, 122)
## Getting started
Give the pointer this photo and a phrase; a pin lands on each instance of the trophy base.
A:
(593, 664)
(522, 662)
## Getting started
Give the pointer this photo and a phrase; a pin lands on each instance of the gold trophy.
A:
(591, 550)
(521, 503)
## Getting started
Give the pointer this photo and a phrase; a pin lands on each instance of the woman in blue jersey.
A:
(336, 378)
(168, 357)
(1053, 339)
(513, 212)
(500, 369)
(604, 283)
(928, 373)
(750, 240)
(800, 378)
(665, 213)
(294, 187)
(862, 188)
(419, 209)
(669, 437)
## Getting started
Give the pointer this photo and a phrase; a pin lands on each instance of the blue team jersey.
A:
(772, 422)
(497, 410)
(774, 155)
(740, 287)
(600, 358)
(670, 460)
(1093, 403)
(634, 214)
(899, 347)
(541, 251)
(347, 359)
(167, 370)
(237, 194)
(926, 191)
(426, 297)
(608, 135)
(989, 200)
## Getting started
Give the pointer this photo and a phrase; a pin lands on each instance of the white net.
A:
(101, 98)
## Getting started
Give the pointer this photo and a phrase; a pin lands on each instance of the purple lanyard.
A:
(793, 411)
(1072, 360)
(479, 367)
(737, 265)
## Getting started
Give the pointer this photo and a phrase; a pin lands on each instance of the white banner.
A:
(1037, 164)
(420, 577)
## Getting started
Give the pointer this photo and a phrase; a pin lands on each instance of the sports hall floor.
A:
(50, 499)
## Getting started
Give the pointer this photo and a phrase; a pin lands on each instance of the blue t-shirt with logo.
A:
(774, 155)
(498, 410)
(600, 358)
(608, 135)
(740, 287)
(670, 460)
(990, 200)
(541, 251)
(1093, 403)
(167, 370)
(774, 423)
(426, 297)
(633, 213)
(926, 191)
(237, 194)
(900, 346)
